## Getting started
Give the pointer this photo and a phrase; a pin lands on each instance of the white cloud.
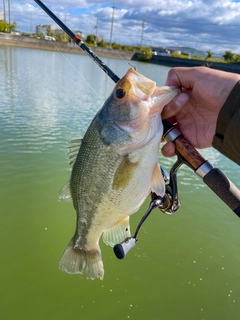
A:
(207, 24)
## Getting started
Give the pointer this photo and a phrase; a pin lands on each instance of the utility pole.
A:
(143, 26)
(96, 35)
(4, 11)
(30, 24)
(110, 45)
(4, 14)
(9, 14)
(65, 21)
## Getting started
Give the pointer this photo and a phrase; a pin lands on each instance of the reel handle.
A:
(124, 247)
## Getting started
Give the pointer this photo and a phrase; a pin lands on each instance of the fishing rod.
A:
(79, 42)
(186, 154)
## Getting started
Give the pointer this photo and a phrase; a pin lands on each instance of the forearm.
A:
(227, 136)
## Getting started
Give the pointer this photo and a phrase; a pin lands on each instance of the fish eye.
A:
(120, 93)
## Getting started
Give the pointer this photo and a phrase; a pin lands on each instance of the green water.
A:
(185, 266)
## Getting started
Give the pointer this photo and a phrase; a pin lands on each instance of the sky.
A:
(201, 24)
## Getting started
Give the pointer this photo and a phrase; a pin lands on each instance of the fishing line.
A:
(72, 65)
(66, 9)
(89, 29)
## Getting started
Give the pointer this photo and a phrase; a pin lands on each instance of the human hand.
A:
(196, 109)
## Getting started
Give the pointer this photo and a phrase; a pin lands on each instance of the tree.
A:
(41, 35)
(6, 27)
(237, 58)
(145, 55)
(209, 54)
(91, 39)
(116, 46)
(49, 31)
(103, 44)
(228, 56)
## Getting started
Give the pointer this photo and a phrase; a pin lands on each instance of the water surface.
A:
(185, 266)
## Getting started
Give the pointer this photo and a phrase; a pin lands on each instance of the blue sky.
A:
(201, 24)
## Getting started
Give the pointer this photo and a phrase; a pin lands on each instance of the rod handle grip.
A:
(224, 189)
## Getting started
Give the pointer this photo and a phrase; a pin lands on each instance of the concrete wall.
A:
(71, 47)
(178, 62)
(28, 42)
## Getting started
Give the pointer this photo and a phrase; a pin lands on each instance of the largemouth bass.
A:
(115, 167)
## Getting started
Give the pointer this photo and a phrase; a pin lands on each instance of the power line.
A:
(190, 23)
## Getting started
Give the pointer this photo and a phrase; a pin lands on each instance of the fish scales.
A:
(96, 163)
(114, 170)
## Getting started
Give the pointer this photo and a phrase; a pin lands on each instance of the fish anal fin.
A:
(158, 183)
(118, 233)
(65, 193)
(73, 149)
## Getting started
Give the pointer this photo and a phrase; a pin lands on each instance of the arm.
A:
(227, 137)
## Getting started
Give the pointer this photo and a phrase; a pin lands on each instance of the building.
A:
(44, 28)
(1, 15)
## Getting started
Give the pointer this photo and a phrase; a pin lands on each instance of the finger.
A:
(175, 105)
(172, 78)
(185, 77)
(168, 150)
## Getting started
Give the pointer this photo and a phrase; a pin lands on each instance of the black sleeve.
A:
(227, 136)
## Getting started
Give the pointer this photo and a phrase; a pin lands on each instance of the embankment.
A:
(70, 47)
(178, 62)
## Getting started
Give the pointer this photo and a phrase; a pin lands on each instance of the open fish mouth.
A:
(161, 97)
(141, 86)
(146, 89)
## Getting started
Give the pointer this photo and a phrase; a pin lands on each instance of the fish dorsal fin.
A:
(158, 183)
(65, 193)
(73, 149)
(118, 233)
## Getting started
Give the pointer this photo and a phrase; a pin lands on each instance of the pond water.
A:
(185, 266)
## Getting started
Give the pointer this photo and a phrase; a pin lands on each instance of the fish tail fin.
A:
(75, 260)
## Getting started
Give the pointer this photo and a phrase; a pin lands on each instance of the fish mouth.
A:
(144, 100)
(142, 87)
(145, 89)
(161, 97)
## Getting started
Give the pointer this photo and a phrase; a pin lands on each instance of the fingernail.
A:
(181, 99)
(172, 79)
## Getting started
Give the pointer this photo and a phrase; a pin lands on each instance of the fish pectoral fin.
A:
(158, 183)
(118, 233)
(125, 171)
(65, 193)
(73, 149)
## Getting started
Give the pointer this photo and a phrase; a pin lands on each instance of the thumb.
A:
(186, 77)
(175, 105)
(172, 78)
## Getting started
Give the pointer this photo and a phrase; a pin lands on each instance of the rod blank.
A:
(79, 42)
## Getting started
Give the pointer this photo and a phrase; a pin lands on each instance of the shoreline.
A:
(180, 62)
(67, 47)
(71, 47)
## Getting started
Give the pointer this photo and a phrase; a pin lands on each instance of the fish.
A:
(114, 169)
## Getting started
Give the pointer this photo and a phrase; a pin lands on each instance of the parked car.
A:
(49, 38)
